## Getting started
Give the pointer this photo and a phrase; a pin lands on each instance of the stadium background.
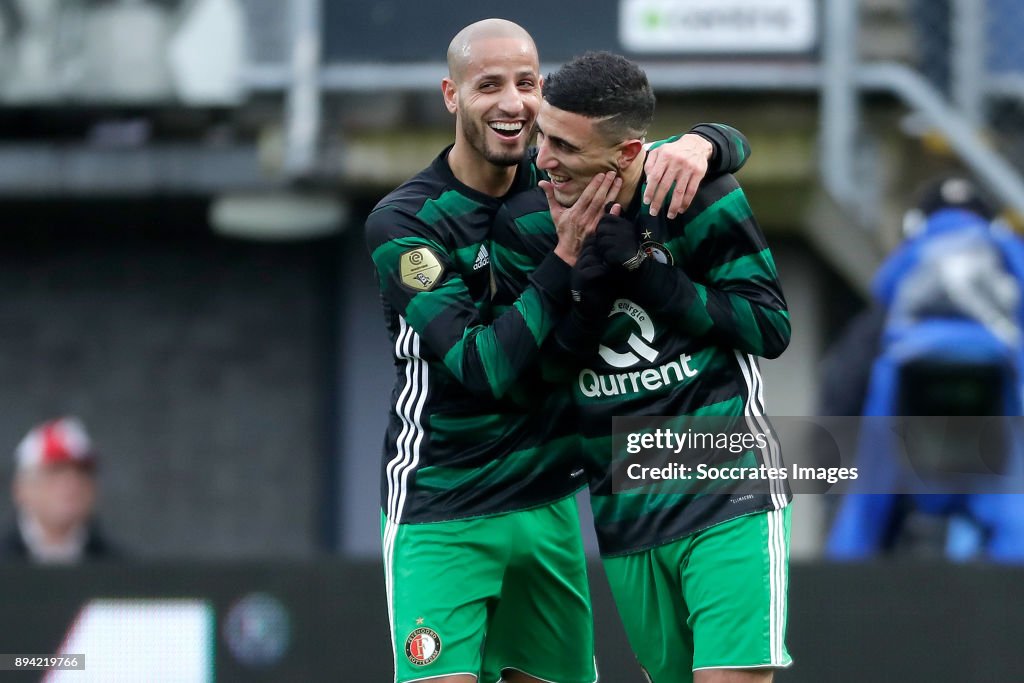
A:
(182, 188)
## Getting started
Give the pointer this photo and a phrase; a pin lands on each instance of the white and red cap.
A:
(55, 442)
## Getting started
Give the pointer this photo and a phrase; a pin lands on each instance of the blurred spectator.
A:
(54, 492)
(942, 337)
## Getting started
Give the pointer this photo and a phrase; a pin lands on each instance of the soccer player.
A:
(669, 315)
(484, 564)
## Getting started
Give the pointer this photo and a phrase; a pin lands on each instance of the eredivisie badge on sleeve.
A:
(420, 269)
(423, 646)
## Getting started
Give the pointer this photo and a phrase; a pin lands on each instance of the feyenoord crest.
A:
(658, 252)
(420, 269)
(422, 646)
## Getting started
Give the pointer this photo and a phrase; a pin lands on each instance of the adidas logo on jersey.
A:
(483, 258)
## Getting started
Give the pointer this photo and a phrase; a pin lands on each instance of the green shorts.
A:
(713, 600)
(477, 596)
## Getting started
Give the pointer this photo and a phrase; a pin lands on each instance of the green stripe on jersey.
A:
(537, 223)
(421, 310)
(732, 207)
(746, 319)
(450, 204)
(749, 267)
(509, 261)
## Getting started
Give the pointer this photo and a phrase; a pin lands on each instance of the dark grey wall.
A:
(195, 362)
(400, 30)
(393, 30)
(366, 375)
(867, 622)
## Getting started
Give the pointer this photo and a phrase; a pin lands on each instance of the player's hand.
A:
(573, 224)
(617, 243)
(590, 282)
(683, 162)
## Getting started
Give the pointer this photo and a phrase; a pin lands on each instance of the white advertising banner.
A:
(718, 26)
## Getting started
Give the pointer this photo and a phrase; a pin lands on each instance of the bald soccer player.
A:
(484, 564)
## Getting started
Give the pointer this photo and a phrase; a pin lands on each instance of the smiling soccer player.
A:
(484, 563)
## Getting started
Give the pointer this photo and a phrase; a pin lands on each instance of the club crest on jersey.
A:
(658, 252)
(422, 646)
(420, 269)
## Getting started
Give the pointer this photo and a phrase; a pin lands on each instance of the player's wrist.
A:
(566, 254)
(715, 139)
(552, 278)
(706, 145)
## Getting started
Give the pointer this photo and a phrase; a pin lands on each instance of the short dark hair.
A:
(602, 85)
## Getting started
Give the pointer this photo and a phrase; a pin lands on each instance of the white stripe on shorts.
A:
(409, 408)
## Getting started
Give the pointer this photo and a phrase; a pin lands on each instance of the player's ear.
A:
(450, 91)
(628, 152)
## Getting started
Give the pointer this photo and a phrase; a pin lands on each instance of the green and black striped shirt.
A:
(462, 441)
(680, 340)
(472, 430)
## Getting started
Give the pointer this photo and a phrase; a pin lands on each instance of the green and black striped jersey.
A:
(471, 432)
(459, 442)
(681, 340)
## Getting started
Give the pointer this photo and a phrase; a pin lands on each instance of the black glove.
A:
(618, 244)
(592, 289)
(590, 283)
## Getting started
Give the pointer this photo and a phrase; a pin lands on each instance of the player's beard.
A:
(476, 134)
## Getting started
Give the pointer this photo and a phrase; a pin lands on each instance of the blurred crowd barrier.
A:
(253, 622)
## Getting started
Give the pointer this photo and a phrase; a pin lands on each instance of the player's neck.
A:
(630, 182)
(476, 172)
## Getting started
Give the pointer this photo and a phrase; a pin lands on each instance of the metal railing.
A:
(842, 77)
(964, 76)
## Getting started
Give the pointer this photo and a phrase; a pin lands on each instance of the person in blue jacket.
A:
(943, 337)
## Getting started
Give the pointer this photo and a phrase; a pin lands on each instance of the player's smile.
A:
(563, 187)
(509, 130)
